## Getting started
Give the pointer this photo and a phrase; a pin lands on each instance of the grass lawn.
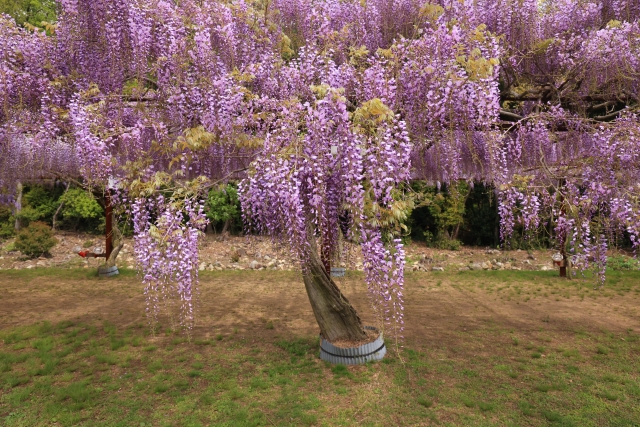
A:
(481, 349)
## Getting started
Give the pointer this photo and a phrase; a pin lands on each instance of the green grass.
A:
(77, 373)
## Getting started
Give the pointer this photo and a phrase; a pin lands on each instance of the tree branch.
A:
(55, 215)
(509, 116)
(608, 117)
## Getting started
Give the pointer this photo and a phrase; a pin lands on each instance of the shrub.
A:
(441, 243)
(449, 244)
(7, 223)
(38, 204)
(81, 210)
(223, 206)
(35, 240)
(623, 263)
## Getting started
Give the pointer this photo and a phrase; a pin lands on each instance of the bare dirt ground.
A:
(440, 307)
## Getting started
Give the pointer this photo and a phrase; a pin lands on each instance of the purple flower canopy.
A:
(327, 108)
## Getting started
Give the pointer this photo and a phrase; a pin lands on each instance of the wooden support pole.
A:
(563, 242)
(109, 224)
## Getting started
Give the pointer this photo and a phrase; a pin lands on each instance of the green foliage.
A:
(458, 214)
(30, 12)
(223, 205)
(441, 243)
(11, 247)
(440, 215)
(81, 210)
(39, 204)
(7, 223)
(621, 262)
(481, 221)
(35, 240)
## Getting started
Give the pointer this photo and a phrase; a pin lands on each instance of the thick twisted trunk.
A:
(337, 318)
(115, 242)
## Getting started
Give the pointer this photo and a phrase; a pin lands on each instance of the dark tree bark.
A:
(55, 215)
(227, 224)
(18, 205)
(114, 240)
(337, 318)
(118, 244)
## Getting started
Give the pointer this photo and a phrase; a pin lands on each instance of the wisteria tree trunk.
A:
(337, 318)
(115, 240)
(118, 244)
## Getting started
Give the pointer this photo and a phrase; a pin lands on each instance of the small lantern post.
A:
(560, 260)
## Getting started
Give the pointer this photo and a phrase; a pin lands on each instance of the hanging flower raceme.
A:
(93, 152)
(166, 249)
(448, 93)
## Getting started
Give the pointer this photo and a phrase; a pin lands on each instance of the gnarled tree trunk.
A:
(337, 318)
(118, 244)
(115, 242)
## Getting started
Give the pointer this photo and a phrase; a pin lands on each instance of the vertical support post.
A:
(563, 243)
(18, 205)
(109, 224)
(563, 270)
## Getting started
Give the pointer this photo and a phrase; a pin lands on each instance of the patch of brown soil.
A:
(259, 305)
(371, 337)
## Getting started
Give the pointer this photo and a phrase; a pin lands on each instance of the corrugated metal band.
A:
(352, 357)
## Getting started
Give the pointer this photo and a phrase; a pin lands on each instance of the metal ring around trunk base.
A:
(372, 351)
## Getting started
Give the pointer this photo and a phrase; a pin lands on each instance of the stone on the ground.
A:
(475, 266)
